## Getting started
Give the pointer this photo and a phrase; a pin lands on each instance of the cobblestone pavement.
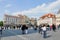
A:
(32, 35)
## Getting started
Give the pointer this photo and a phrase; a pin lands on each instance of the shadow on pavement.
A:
(49, 36)
(8, 33)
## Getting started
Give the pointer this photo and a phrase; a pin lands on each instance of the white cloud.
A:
(6, 11)
(8, 5)
(44, 8)
(54, 5)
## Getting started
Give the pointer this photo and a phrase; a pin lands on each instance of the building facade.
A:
(58, 18)
(49, 18)
(33, 21)
(15, 20)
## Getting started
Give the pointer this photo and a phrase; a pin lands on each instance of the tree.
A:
(1, 23)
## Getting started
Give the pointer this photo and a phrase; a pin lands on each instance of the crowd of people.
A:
(44, 28)
(41, 28)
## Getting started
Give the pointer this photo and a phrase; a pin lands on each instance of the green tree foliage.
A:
(1, 23)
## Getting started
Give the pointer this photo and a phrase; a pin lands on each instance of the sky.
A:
(31, 8)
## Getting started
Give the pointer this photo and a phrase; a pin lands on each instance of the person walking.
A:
(26, 30)
(14, 27)
(23, 29)
(58, 26)
(48, 27)
(1, 30)
(40, 29)
(44, 28)
(54, 27)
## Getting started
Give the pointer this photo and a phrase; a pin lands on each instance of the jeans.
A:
(23, 31)
(44, 34)
(26, 31)
(40, 31)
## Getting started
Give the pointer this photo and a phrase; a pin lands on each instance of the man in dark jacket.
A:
(54, 27)
(23, 29)
(40, 29)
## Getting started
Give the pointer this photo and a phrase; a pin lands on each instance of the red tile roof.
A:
(49, 15)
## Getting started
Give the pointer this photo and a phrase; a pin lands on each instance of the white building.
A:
(58, 18)
(47, 19)
(15, 20)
